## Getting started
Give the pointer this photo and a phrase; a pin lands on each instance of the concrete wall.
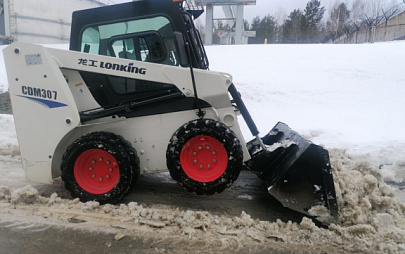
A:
(4, 21)
(393, 29)
(42, 21)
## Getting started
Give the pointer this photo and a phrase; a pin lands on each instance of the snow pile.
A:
(26, 195)
(371, 218)
(381, 231)
(8, 137)
(367, 204)
(5, 193)
(3, 78)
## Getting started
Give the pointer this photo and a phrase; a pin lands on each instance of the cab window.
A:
(149, 39)
(145, 46)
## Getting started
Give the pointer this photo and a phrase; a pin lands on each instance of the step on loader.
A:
(134, 94)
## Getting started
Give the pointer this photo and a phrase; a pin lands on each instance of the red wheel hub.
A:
(96, 171)
(204, 159)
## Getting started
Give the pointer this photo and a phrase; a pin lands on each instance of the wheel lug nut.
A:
(208, 147)
(214, 152)
(107, 162)
(201, 166)
(90, 168)
(200, 147)
(195, 153)
(195, 161)
(94, 176)
(100, 159)
(110, 169)
(93, 161)
(108, 176)
(209, 166)
(101, 179)
(214, 160)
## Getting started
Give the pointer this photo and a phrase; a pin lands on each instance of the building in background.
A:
(40, 21)
(234, 11)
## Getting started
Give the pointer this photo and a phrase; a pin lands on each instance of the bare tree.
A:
(338, 17)
(372, 12)
(362, 10)
(390, 13)
(358, 11)
(374, 7)
(281, 15)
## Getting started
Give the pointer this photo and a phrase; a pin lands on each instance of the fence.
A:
(392, 29)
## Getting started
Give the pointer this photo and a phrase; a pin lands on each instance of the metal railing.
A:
(194, 5)
(106, 2)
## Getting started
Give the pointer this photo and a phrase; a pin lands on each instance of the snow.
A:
(343, 95)
(340, 96)
(8, 138)
(348, 98)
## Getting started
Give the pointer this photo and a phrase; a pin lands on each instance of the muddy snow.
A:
(371, 218)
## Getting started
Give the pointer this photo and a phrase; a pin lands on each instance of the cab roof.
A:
(82, 19)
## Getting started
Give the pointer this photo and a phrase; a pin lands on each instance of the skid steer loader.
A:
(134, 94)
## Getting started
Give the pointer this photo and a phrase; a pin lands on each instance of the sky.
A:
(264, 7)
(280, 9)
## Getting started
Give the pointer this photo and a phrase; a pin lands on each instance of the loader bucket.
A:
(296, 172)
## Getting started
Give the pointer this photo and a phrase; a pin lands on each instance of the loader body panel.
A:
(43, 107)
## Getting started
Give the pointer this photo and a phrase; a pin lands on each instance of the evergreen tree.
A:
(304, 27)
(313, 15)
(246, 25)
(269, 29)
(255, 24)
(293, 27)
(265, 29)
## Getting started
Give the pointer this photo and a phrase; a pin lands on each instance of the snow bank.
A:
(366, 202)
(3, 76)
(8, 136)
(371, 219)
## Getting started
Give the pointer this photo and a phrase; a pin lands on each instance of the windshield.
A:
(149, 39)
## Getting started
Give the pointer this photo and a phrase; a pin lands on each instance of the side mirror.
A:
(181, 49)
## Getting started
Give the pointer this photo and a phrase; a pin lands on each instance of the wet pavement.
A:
(247, 194)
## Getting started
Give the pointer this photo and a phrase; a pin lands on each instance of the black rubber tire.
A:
(220, 132)
(117, 147)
